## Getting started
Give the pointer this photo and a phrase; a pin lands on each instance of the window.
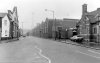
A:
(5, 32)
(99, 18)
(94, 30)
(5, 22)
(87, 30)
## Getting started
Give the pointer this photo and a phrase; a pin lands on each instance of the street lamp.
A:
(54, 24)
(50, 11)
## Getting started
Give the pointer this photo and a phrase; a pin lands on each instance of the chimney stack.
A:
(84, 9)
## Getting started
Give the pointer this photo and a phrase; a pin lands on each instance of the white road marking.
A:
(88, 54)
(42, 54)
(93, 52)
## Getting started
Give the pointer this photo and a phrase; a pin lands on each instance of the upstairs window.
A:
(5, 32)
(5, 22)
(99, 18)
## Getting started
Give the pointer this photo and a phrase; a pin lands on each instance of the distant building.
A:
(69, 27)
(62, 27)
(45, 28)
(48, 27)
(57, 23)
(56, 28)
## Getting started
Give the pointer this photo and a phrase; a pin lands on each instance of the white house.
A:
(5, 22)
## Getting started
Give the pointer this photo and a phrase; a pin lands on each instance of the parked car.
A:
(24, 36)
(76, 38)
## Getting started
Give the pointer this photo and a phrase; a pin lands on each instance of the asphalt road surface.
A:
(39, 50)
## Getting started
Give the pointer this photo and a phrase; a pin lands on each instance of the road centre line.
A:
(40, 52)
(88, 54)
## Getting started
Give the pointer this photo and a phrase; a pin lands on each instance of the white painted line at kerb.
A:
(88, 54)
(93, 52)
(42, 54)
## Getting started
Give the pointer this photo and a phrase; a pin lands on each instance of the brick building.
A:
(62, 27)
(46, 28)
(54, 28)
(89, 24)
(69, 27)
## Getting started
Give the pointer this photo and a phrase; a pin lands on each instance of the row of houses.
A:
(88, 26)
(56, 28)
(9, 24)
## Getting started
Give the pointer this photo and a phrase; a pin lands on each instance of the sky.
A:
(31, 12)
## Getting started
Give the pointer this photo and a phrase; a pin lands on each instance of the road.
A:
(39, 50)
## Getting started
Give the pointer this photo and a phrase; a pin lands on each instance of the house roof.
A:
(92, 18)
(93, 15)
(95, 12)
(3, 14)
(69, 23)
(65, 23)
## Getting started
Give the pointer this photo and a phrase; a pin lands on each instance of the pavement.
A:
(10, 40)
(91, 45)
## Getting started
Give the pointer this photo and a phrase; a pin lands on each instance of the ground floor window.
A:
(94, 30)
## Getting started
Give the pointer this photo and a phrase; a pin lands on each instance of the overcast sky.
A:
(33, 11)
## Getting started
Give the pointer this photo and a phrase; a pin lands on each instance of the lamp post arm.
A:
(50, 11)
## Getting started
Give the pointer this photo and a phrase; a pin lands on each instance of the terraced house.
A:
(14, 27)
(89, 24)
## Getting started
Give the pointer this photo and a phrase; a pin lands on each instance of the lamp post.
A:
(50, 11)
(54, 24)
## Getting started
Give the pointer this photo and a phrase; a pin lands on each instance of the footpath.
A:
(91, 45)
(6, 41)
